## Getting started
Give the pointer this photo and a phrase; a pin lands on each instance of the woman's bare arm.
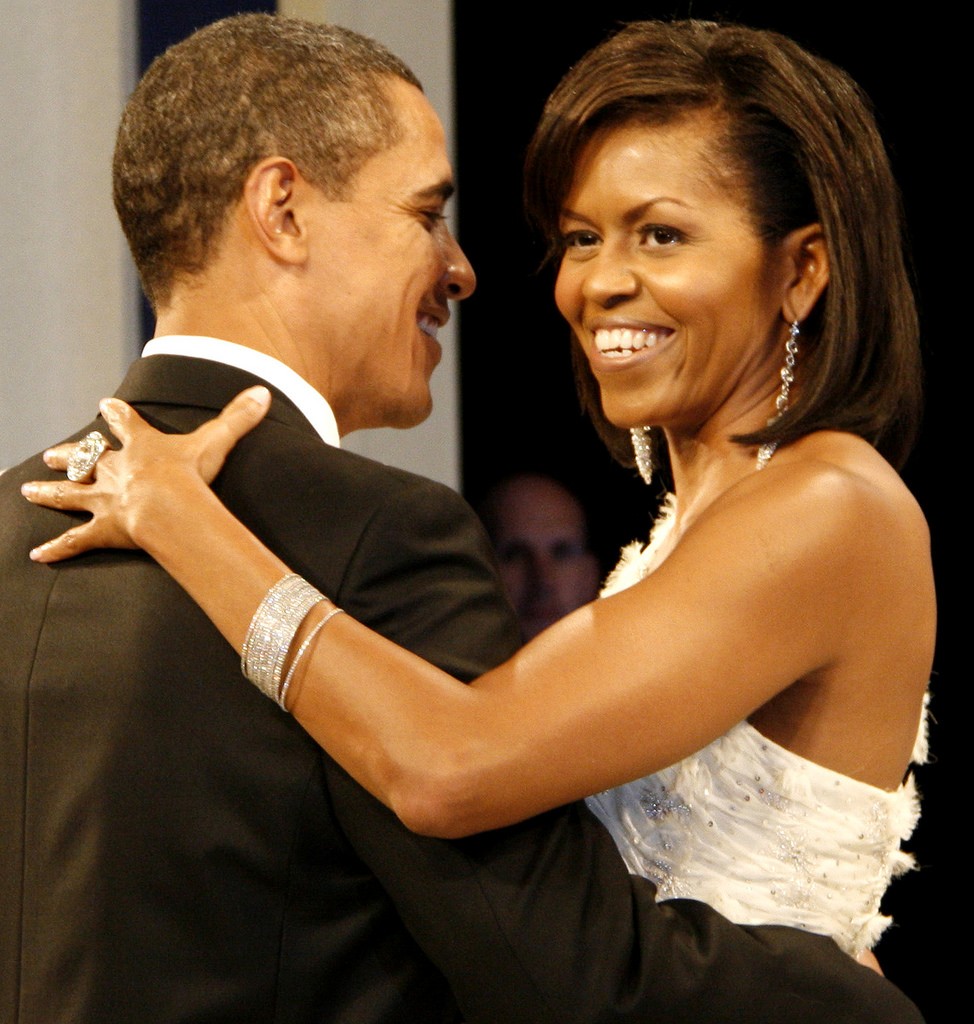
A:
(618, 689)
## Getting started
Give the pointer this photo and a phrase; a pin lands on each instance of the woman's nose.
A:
(609, 279)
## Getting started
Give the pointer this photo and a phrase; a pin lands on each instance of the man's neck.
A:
(201, 318)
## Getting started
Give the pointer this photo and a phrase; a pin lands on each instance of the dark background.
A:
(519, 409)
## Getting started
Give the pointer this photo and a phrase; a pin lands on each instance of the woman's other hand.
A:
(145, 478)
(868, 959)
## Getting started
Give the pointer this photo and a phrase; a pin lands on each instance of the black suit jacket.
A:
(176, 849)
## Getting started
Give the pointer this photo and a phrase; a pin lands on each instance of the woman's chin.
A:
(625, 416)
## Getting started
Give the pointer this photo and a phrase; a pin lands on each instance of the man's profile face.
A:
(387, 264)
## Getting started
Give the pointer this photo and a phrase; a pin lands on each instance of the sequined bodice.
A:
(760, 833)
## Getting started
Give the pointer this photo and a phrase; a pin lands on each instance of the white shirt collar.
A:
(313, 405)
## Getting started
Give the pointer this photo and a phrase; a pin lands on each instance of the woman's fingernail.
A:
(29, 490)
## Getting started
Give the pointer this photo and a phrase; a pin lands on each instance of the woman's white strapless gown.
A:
(761, 834)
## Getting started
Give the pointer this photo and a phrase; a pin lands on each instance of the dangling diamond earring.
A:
(642, 446)
(781, 402)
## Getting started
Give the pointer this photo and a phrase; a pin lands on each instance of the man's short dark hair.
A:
(213, 105)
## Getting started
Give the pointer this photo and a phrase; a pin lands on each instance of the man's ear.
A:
(272, 200)
(808, 263)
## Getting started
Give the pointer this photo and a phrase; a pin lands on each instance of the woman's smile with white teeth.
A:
(619, 342)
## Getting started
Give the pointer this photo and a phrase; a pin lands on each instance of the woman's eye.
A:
(658, 234)
(579, 239)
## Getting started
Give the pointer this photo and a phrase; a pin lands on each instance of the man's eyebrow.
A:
(442, 190)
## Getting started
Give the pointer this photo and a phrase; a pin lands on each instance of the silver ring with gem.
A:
(85, 455)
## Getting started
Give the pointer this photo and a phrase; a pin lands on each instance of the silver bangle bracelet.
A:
(302, 650)
(272, 629)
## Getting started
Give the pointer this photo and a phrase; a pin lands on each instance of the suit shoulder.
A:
(295, 462)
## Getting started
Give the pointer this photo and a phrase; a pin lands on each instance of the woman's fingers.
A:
(60, 494)
(78, 540)
(868, 959)
(211, 442)
(96, 533)
(241, 414)
(216, 438)
(124, 421)
(139, 475)
(57, 457)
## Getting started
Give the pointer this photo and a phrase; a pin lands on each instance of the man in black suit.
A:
(175, 848)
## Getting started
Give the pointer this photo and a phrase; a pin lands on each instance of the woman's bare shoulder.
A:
(827, 525)
(834, 487)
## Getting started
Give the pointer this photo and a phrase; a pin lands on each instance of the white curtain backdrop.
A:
(68, 299)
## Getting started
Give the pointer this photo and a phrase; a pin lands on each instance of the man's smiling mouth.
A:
(429, 325)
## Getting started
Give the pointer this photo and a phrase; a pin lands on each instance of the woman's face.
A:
(674, 299)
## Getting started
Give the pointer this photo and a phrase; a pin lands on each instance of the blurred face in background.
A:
(541, 539)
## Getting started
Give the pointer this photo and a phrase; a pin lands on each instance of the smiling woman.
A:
(679, 306)
(721, 208)
(794, 140)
